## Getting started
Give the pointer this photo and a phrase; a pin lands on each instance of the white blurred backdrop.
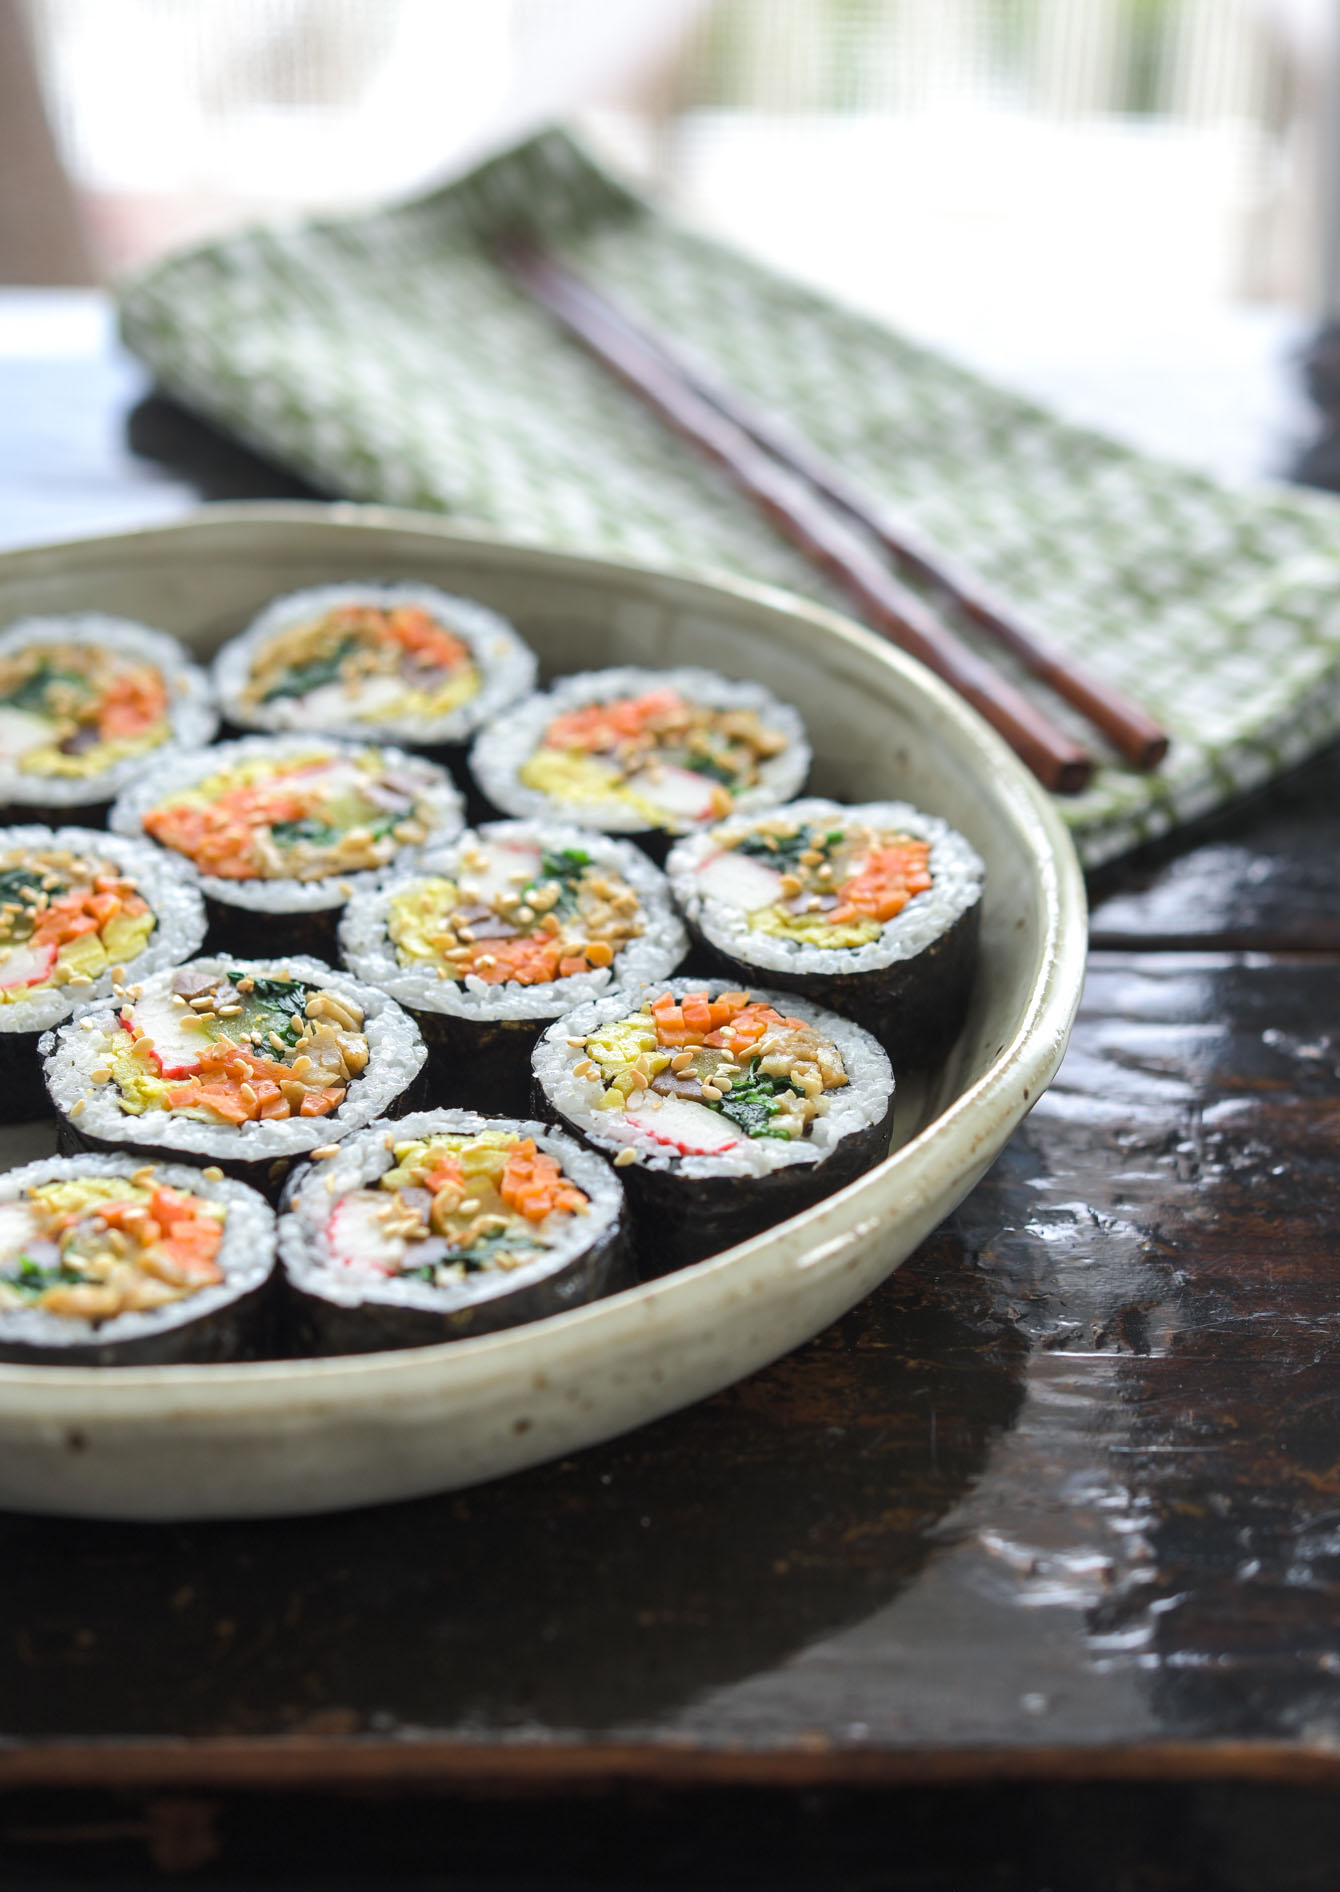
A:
(1114, 203)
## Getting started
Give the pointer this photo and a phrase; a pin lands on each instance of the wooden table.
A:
(1026, 1573)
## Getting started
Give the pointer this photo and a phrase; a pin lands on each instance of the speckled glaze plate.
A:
(280, 1437)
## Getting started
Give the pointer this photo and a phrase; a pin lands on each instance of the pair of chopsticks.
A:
(790, 480)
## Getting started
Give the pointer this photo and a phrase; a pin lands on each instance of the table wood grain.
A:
(1056, 1512)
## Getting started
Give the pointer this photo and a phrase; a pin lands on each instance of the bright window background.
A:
(1112, 203)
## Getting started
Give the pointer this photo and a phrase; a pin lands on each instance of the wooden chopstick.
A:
(1057, 761)
(1130, 729)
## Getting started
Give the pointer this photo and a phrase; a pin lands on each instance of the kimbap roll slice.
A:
(85, 701)
(490, 939)
(111, 1261)
(249, 1064)
(80, 912)
(646, 752)
(449, 1225)
(874, 910)
(724, 1108)
(401, 663)
(278, 831)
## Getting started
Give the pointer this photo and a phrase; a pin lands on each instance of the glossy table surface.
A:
(1060, 1504)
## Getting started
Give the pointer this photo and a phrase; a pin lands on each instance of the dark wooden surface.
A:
(1025, 1574)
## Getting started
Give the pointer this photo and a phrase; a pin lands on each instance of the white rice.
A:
(304, 1246)
(395, 1056)
(437, 793)
(179, 913)
(501, 750)
(956, 885)
(245, 1254)
(862, 1101)
(507, 666)
(371, 955)
(191, 713)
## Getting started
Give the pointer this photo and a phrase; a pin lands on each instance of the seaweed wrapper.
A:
(386, 357)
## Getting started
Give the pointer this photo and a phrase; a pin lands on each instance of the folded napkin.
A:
(386, 357)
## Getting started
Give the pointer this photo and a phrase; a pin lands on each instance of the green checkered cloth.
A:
(386, 357)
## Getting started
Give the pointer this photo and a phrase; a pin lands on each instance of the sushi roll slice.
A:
(724, 1109)
(490, 939)
(278, 831)
(653, 753)
(874, 910)
(397, 663)
(85, 701)
(110, 1261)
(80, 911)
(250, 1064)
(449, 1225)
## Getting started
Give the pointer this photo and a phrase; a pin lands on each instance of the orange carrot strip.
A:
(604, 725)
(416, 631)
(889, 878)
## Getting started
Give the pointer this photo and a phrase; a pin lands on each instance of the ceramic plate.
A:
(310, 1435)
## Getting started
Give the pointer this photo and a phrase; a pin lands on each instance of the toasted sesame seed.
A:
(624, 1158)
(76, 1107)
(101, 1075)
(578, 1044)
(324, 1150)
(213, 1173)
